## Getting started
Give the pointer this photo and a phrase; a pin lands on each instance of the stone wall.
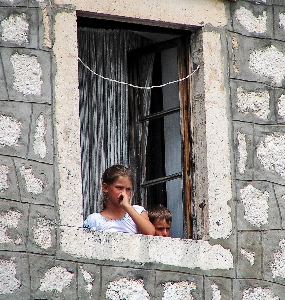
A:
(239, 102)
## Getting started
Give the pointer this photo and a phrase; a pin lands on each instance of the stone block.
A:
(279, 103)
(13, 225)
(14, 3)
(42, 230)
(279, 22)
(273, 243)
(15, 125)
(36, 182)
(14, 277)
(41, 139)
(252, 102)
(28, 74)
(280, 196)
(249, 255)
(257, 60)
(170, 285)
(52, 279)
(257, 206)
(89, 281)
(19, 27)
(218, 288)
(269, 155)
(252, 20)
(256, 289)
(9, 188)
(3, 89)
(243, 150)
(126, 282)
(45, 31)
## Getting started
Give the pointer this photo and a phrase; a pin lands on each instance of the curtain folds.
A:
(104, 105)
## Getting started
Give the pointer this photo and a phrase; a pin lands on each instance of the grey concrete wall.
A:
(41, 253)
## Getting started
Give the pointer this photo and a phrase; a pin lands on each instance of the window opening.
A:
(147, 130)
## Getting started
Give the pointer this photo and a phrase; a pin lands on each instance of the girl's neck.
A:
(113, 213)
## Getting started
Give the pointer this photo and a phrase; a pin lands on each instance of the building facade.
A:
(237, 100)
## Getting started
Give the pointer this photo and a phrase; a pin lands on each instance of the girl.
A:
(117, 213)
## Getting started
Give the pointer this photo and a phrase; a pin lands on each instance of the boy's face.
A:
(162, 227)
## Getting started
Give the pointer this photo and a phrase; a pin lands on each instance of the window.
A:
(148, 130)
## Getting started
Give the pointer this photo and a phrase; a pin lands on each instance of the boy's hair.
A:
(159, 211)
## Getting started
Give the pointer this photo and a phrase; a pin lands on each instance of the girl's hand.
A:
(124, 199)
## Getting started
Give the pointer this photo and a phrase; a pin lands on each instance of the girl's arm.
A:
(141, 220)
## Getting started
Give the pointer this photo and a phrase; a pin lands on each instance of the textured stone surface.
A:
(36, 182)
(249, 251)
(218, 288)
(257, 207)
(254, 20)
(26, 80)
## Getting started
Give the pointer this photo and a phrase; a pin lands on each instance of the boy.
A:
(161, 218)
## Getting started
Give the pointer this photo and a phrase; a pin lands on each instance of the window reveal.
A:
(149, 130)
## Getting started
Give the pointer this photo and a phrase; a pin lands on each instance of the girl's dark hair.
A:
(111, 174)
(159, 211)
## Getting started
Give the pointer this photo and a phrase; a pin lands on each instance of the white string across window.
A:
(136, 86)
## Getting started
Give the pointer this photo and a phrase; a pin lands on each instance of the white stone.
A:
(278, 266)
(282, 20)
(254, 102)
(127, 289)
(42, 232)
(4, 184)
(10, 131)
(88, 279)
(259, 293)
(255, 205)
(268, 62)
(216, 292)
(250, 22)
(9, 220)
(33, 185)
(271, 154)
(248, 255)
(27, 74)
(8, 279)
(178, 290)
(39, 144)
(56, 279)
(15, 29)
(281, 106)
(242, 151)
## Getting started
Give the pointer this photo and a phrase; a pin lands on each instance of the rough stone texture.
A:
(14, 128)
(41, 141)
(19, 27)
(13, 226)
(23, 64)
(89, 281)
(252, 102)
(254, 289)
(51, 279)
(42, 230)
(253, 20)
(8, 186)
(257, 207)
(35, 181)
(249, 262)
(3, 88)
(258, 60)
(243, 142)
(279, 22)
(269, 157)
(280, 196)
(126, 283)
(280, 105)
(177, 286)
(218, 288)
(274, 256)
(14, 282)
